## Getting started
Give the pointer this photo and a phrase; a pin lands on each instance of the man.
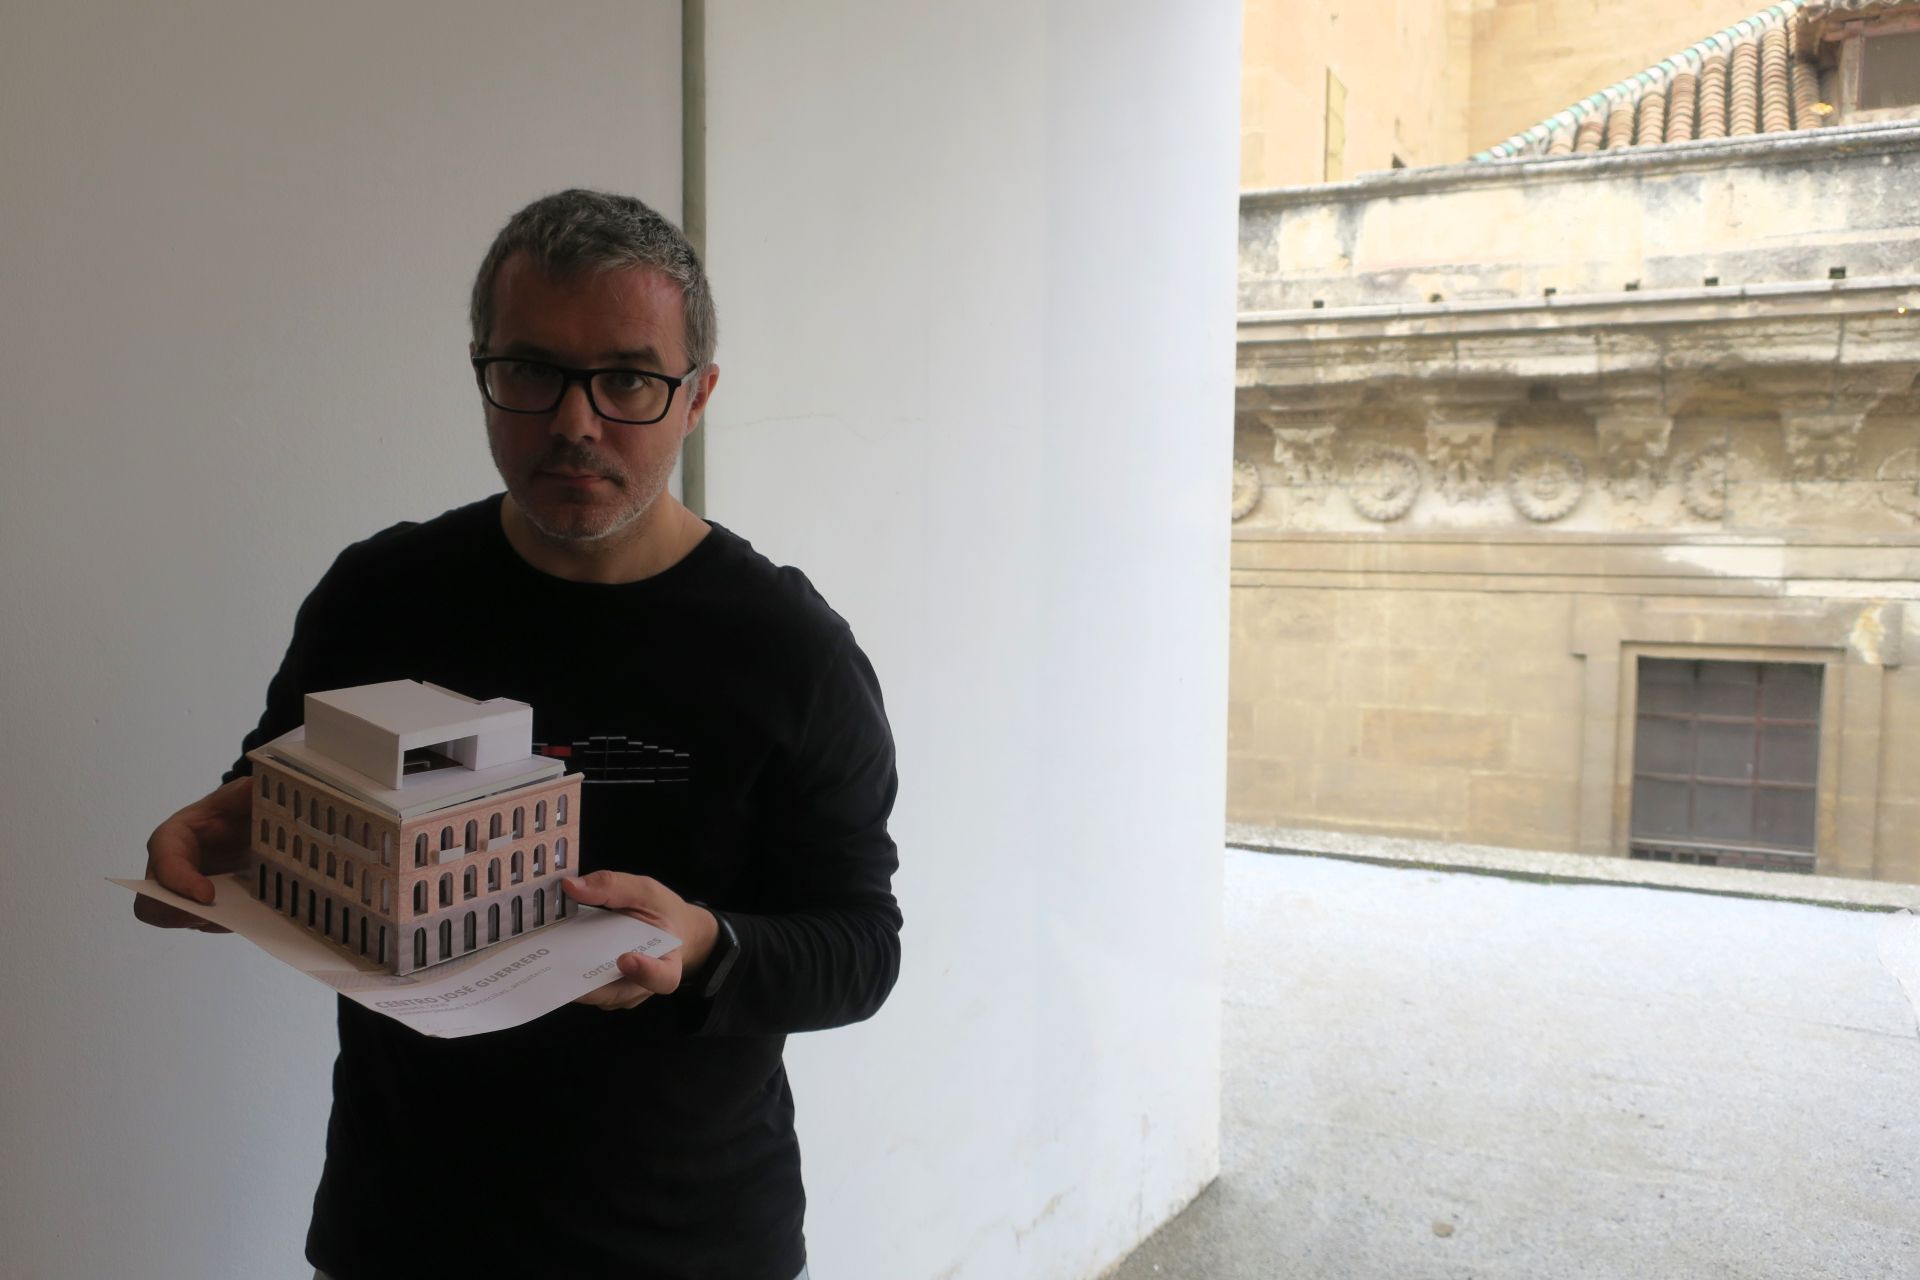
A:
(646, 1131)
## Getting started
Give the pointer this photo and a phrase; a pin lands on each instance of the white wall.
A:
(976, 269)
(235, 245)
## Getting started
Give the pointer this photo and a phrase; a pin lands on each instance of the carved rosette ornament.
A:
(1305, 458)
(1546, 484)
(1462, 458)
(1899, 482)
(1820, 446)
(1632, 449)
(1246, 488)
(1386, 483)
(1703, 482)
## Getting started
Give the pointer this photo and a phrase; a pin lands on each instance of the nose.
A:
(574, 418)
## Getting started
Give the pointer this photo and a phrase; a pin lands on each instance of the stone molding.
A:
(1462, 458)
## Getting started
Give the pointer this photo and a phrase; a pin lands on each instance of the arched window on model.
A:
(470, 882)
(471, 930)
(519, 822)
(366, 888)
(266, 829)
(446, 838)
(333, 866)
(493, 874)
(420, 898)
(366, 834)
(346, 873)
(386, 895)
(420, 850)
(281, 798)
(386, 848)
(540, 816)
(298, 848)
(493, 923)
(560, 854)
(332, 819)
(516, 915)
(280, 839)
(473, 834)
(296, 804)
(446, 939)
(539, 907)
(313, 855)
(515, 868)
(494, 825)
(446, 888)
(419, 948)
(560, 811)
(539, 860)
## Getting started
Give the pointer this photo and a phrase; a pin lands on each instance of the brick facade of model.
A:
(407, 895)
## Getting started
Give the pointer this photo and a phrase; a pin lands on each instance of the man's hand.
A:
(206, 838)
(645, 898)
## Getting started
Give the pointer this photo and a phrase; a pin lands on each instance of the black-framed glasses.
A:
(631, 396)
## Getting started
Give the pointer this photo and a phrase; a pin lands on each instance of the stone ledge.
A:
(1575, 868)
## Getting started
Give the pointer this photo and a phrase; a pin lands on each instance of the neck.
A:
(655, 542)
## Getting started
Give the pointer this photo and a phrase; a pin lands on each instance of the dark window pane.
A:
(1789, 753)
(1663, 746)
(1660, 809)
(1722, 813)
(1723, 750)
(1784, 816)
(1729, 688)
(1668, 680)
(1790, 691)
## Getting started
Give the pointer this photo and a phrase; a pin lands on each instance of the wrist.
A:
(706, 972)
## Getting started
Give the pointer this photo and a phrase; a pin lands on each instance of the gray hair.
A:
(579, 231)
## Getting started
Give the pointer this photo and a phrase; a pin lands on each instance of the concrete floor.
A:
(1438, 1074)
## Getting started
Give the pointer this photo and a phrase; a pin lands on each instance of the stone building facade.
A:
(1577, 490)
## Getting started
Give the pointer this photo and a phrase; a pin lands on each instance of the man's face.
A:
(578, 477)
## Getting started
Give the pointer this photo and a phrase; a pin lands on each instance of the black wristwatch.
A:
(726, 949)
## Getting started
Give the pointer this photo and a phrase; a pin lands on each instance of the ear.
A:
(702, 391)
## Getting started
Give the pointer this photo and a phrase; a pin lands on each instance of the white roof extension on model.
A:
(359, 740)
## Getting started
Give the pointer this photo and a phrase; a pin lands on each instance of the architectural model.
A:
(412, 825)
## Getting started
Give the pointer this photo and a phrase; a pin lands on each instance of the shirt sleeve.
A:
(821, 947)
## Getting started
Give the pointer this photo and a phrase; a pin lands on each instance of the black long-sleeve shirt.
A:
(735, 748)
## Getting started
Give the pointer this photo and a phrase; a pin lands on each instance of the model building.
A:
(413, 825)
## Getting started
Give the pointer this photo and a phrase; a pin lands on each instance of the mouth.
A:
(574, 479)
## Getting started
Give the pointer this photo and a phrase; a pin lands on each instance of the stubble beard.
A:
(570, 524)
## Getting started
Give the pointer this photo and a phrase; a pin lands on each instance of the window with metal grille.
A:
(1725, 763)
(1890, 71)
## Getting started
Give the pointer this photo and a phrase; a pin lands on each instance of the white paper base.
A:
(502, 986)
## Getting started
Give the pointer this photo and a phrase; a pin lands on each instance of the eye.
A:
(625, 381)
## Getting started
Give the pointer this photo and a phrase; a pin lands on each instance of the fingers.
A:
(157, 913)
(173, 858)
(640, 977)
(618, 994)
(660, 975)
(618, 891)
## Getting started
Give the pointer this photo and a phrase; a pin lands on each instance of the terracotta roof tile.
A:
(1752, 77)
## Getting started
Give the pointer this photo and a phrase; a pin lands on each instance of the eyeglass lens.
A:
(528, 386)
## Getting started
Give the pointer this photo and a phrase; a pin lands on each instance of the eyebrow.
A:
(629, 356)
